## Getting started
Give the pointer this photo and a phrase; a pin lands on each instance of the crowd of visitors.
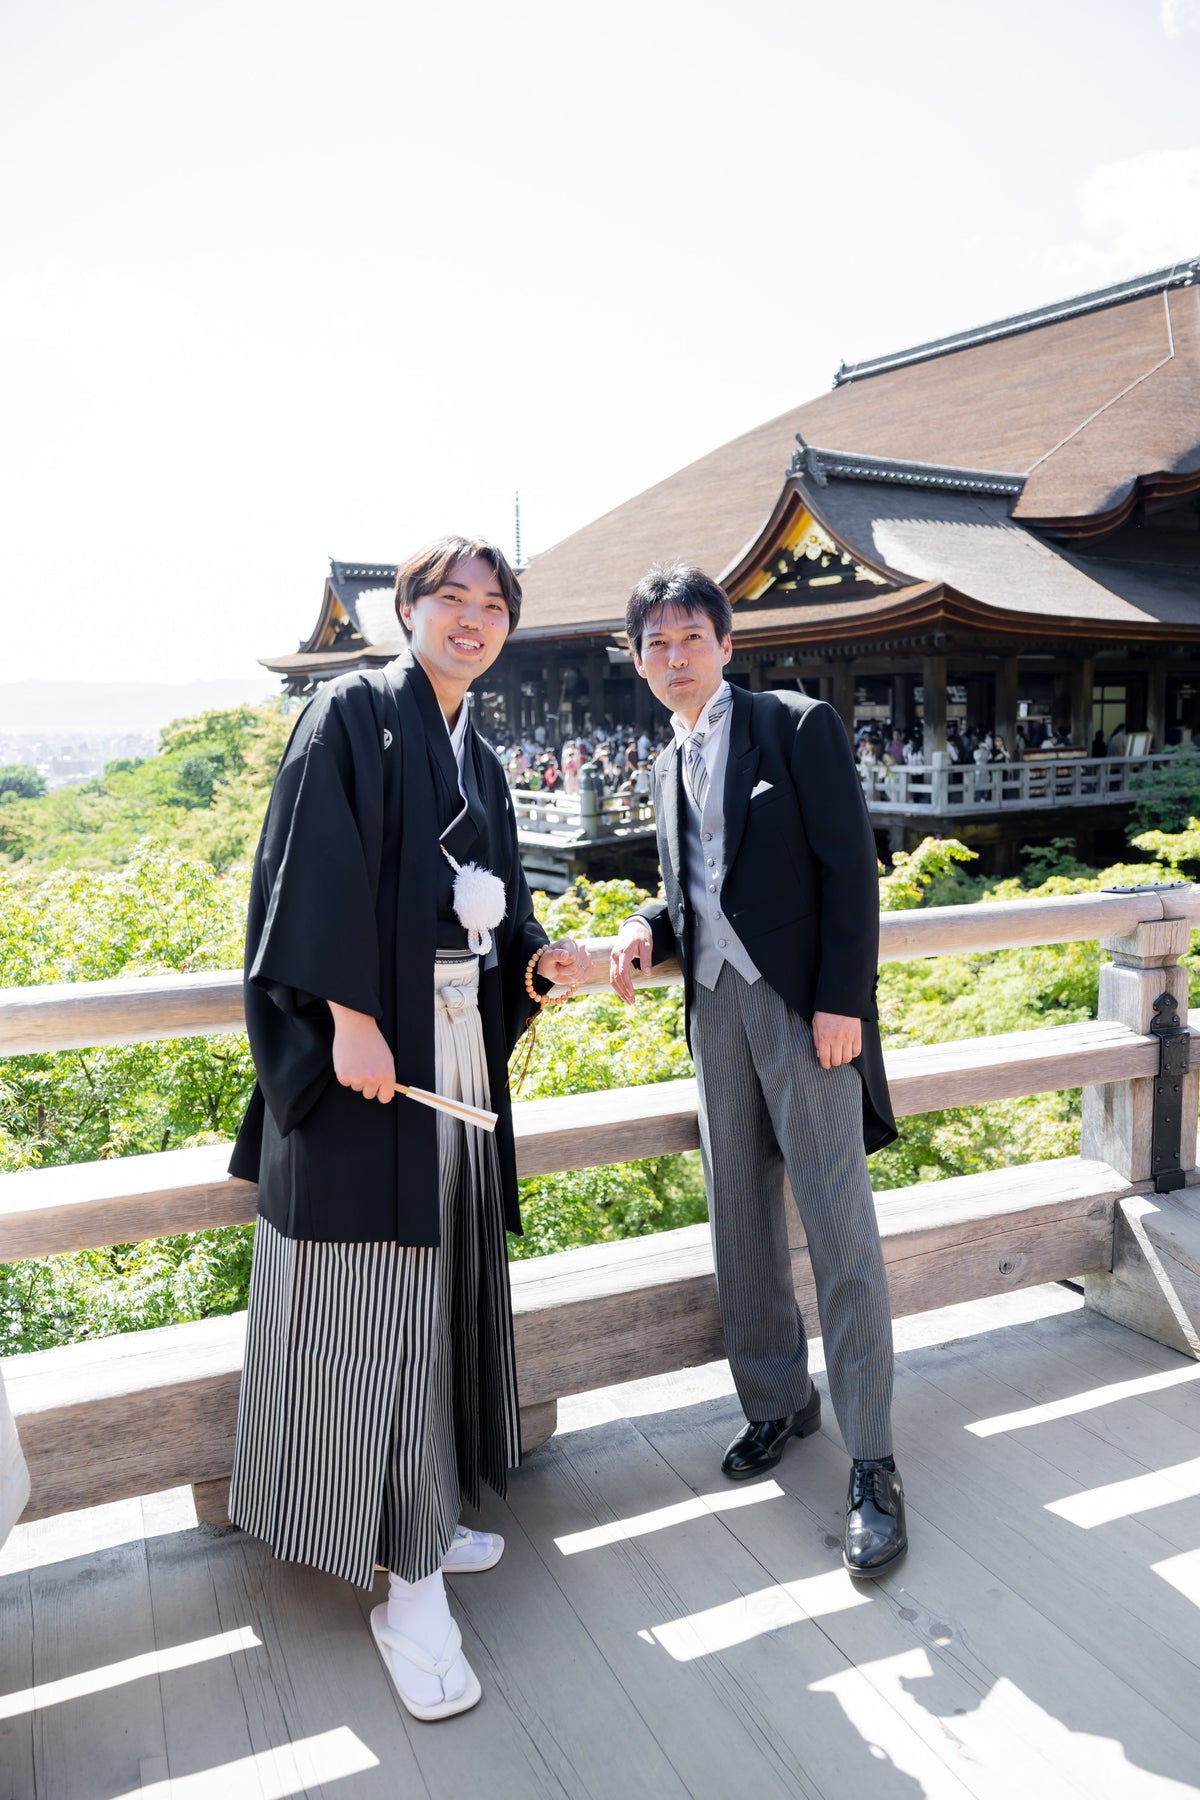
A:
(885, 746)
(621, 758)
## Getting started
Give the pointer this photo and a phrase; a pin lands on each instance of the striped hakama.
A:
(379, 1387)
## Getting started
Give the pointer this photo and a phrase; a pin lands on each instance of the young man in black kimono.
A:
(379, 1388)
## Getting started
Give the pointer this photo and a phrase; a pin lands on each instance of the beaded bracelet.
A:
(544, 999)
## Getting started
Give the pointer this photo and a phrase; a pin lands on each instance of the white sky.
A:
(285, 281)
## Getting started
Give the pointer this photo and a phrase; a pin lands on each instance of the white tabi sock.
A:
(420, 1610)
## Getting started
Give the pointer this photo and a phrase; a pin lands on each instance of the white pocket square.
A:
(764, 787)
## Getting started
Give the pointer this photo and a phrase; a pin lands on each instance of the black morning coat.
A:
(345, 899)
(801, 886)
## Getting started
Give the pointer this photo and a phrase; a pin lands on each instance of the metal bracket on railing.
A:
(1166, 1134)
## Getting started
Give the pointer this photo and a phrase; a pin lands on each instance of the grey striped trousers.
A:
(766, 1104)
(379, 1385)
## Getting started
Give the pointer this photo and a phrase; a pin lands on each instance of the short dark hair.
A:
(670, 586)
(426, 570)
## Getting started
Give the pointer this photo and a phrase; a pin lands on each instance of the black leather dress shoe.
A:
(759, 1446)
(876, 1538)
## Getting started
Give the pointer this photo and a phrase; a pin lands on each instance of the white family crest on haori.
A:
(387, 738)
(479, 902)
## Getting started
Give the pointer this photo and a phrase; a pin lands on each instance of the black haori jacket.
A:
(344, 906)
(801, 884)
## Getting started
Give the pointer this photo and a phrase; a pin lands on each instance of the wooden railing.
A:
(1033, 784)
(583, 815)
(155, 1409)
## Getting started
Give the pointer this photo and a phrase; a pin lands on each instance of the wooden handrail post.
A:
(1154, 1285)
(1117, 1117)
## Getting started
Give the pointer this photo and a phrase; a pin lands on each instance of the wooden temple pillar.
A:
(1083, 681)
(1156, 705)
(597, 665)
(1007, 684)
(933, 681)
(903, 708)
(842, 694)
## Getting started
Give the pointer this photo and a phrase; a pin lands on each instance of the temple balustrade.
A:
(1039, 782)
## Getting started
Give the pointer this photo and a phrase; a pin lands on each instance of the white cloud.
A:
(1179, 16)
(1139, 214)
(104, 313)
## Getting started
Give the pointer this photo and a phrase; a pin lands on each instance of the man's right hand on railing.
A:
(634, 945)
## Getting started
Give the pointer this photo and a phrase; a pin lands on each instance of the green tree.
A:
(21, 781)
(1168, 794)
(205, 792)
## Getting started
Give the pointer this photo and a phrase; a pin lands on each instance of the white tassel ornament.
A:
(479, 902)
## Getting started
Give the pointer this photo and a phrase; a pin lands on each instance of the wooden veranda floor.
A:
(656, 1631)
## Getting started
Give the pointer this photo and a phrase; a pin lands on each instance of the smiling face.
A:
(459, 629)
(682, 658)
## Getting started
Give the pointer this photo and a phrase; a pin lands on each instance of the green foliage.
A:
(205, 792)
(933, 864)
(622, 1200)
(21, 781)
(1055, 857)
(938, 1000)
(161, 912)
(1168, 794)
(127, 1287)
(1178, 849)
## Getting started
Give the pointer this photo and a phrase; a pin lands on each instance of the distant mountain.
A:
(118, 706)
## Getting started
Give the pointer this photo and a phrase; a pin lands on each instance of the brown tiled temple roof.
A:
(1083, 400)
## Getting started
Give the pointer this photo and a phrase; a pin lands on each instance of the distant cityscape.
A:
(108, 721)
(67, 758)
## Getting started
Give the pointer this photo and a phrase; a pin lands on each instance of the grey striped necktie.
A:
(693, 760)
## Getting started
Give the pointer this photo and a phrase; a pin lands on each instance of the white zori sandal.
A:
(471, 1551)
(403, 1659)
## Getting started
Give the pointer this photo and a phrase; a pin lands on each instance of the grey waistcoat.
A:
(702, 841)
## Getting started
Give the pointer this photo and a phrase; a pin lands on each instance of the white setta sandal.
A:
(471, 1551)
(396, 1650)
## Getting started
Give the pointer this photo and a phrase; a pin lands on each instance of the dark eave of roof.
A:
(821, 465)
(1180, 274)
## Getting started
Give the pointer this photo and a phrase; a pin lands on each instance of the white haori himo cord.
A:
(479, 902)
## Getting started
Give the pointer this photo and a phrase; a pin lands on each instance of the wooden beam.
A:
(933, 705)
(156, 1409)
(75, 1015)
(44, 1212)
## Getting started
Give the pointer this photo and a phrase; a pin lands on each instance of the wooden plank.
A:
(17, 1776)
(44, 1212)
(555, 1720)
(990, 1497)
(157, 1409)
(1047, 1699)
(138, 1008)
(204, 1721)
(689, 1619)
(900, 1644)
(93, 1615)
(128, 1414)
(132, 1009)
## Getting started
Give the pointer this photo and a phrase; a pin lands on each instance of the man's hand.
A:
(361, 1058)
(564, 962)
(836, 1039)
(634, 944)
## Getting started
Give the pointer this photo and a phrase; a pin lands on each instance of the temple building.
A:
(1001, 528)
